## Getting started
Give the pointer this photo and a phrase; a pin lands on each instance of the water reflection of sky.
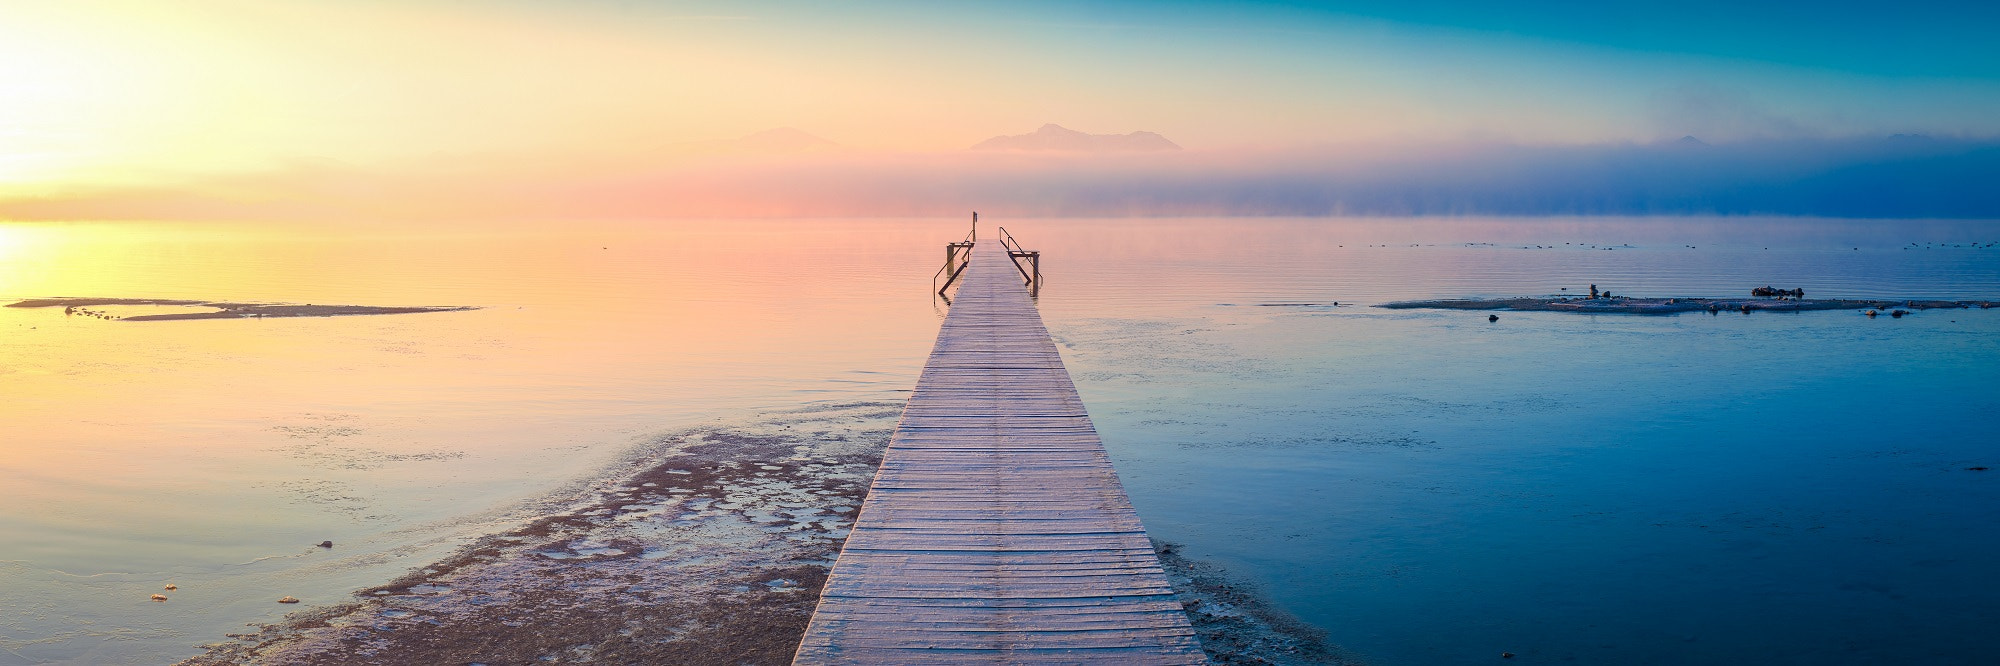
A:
(1428, 487)
(1432, 488)
(211, 454)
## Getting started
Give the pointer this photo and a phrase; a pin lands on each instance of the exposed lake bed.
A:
(712, 549)
(711, 552)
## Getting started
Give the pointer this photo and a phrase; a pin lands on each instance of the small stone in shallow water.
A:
(1506, 655)
(288, 600)
(171, 586)
(326, 544)
(159, 597)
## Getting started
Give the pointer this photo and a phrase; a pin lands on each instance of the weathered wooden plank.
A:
(996, 530)
(1021, 571)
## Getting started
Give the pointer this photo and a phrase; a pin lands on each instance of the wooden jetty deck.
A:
(996, 530)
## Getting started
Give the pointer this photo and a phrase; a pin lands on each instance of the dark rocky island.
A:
(1628, 305)
(221, 309)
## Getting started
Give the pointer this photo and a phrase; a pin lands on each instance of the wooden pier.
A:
(996, 530)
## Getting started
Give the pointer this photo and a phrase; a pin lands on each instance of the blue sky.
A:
(252, 100)
(1913, 39)
(1425, 70)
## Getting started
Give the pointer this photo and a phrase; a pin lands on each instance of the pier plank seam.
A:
(996, 530)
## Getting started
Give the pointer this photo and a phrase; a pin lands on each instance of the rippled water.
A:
(1428, 487)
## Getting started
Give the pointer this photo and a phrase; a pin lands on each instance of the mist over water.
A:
(1889, 176)
(1428, 487)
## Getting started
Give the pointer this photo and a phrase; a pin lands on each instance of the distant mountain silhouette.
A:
(1057, 137)
(1689, 140)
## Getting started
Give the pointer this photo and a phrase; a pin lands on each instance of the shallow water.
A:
(1428, 487)
(212, 454)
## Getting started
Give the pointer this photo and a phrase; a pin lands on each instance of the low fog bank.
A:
(1897, 177)
(1900, 176)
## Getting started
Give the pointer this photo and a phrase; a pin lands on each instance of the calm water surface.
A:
(1427, 486)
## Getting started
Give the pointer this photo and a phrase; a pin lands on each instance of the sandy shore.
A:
(706, 547)
(1623, 305)
(222, 309)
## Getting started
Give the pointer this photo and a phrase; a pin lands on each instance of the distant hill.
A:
(1058, 138)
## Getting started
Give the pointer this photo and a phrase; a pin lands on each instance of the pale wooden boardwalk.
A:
(996, 530)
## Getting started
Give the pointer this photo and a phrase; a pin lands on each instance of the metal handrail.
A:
(970, 237)
(967, 261)
(1015, 252)
(1007, 241)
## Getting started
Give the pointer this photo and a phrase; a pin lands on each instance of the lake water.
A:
(1428, 487)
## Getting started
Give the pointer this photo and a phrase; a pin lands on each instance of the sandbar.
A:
(222, 309)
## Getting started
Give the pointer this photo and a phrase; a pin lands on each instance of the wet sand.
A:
(705, 547)
(1624, 305)
(709, 547)
(1236, 624)
(223, 309)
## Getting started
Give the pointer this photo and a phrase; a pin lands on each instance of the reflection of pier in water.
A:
(996, 530)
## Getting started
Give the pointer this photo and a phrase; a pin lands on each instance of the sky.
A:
(280, 107)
